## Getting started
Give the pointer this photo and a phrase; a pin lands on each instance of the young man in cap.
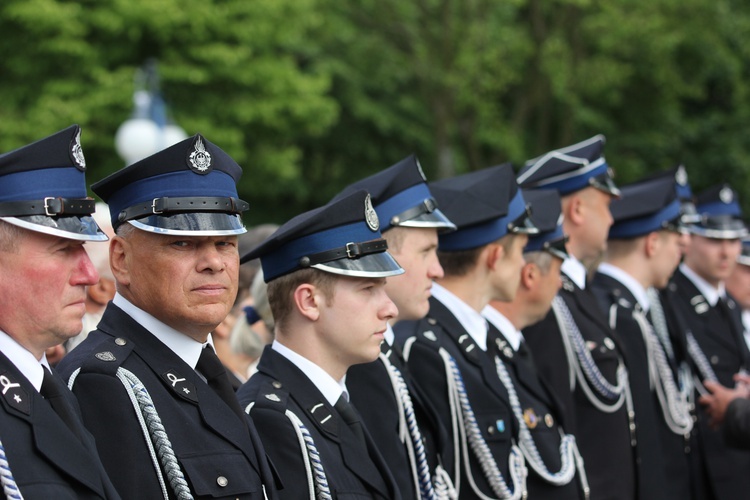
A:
(575, 351)
(150, 385)
(645, 246)
(713, 327)
(45, 219)
(326, 272)
(406, 429)
(482, 261)
(553, 453)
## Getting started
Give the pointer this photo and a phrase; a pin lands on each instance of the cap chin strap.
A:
(183, 204)
(49, 206)
(349, 251)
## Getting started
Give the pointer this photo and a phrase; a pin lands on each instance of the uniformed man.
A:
(406, 429)
(738, 286)
(446, 354)
(45, 219)
(544, 443)
(326, 272)
(152, 391)
(574, 348)
(712, 324)
(645, 246)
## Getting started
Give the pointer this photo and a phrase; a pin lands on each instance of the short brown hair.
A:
(281, 289)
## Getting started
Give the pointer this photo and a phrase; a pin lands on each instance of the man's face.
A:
(187, 282)
(417, 254)
(548, 286)
(507, 272)
(712, 259)
(43, 290)
(598, 221)
(738, 285)
(669, 249)
(352, 325)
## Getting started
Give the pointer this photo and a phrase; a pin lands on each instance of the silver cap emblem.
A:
(76, 152)
(200, 159)
(371, 216)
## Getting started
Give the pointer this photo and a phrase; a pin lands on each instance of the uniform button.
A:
(120, 341)
(277, 384)
(490, 430)
(222, 481)
(432, 321)
(714, 360)
(549, 420)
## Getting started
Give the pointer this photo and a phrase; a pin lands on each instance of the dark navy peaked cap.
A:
(485, 205)
(342, 237)
(401, 197)
(684, 193)
(546, 213)
(571, 169)
(721, 216)
(645, 207)
(186, 189)
(43, 188)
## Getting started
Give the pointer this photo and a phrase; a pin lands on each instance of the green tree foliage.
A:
(309, 95)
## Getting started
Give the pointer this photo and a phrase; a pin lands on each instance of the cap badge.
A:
(371, 216)
(76, 152)
(681, 176)
(421, 172)
(726, 195)
(200, 159)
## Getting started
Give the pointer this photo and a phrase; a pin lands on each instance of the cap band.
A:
(643, 225)
(537, 243)
(407, 199)
(181, 184)
(49, 206)
(167, 205)
(349, 251)
(42, 183)
(720, 208)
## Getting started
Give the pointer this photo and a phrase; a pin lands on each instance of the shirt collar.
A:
(473, 322)
(184, 346)
(575, 270)
(27, 364)
(628, 281)
(711, 294)
(389, 336)
(511, 334)
(331, 388)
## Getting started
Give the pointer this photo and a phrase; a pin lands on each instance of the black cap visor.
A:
(74, 227)
(374, 265)
(192, 224)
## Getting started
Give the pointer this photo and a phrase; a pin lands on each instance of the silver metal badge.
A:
(371, 216)
(681, 176)
(200, 159)
(609, 343)
(726, 195)
(105, 356)
(421, 172)
(430, 335)
(76, 152)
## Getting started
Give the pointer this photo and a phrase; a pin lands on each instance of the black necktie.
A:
(54, 391)
(349, 415)
(218, 379)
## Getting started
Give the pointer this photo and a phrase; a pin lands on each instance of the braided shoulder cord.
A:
(146, 411)
(410, 434)
(10, 488)
(583, 366)
(704, 367)
(674, 402)
(528, 446)
(660, 321)
(470, 432)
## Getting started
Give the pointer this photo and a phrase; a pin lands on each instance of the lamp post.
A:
(148, 130)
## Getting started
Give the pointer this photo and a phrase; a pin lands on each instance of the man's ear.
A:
(118, 259)
(103, 291)
(575, 209)
(529, 275)
(651, 244)
(307, 301)
(494, 253)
